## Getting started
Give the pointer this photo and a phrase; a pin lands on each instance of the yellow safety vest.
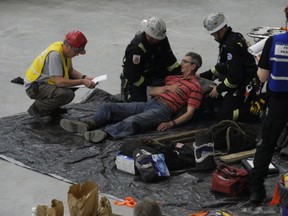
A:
(36, 68)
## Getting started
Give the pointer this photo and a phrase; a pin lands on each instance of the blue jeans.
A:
(131, 117)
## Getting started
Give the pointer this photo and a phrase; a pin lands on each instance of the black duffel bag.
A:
(178, 156)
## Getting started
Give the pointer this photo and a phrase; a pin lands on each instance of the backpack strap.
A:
(233, 123)
(228, 136)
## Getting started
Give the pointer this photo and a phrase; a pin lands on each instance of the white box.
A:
(125, 164)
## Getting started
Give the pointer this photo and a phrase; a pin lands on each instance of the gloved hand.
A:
(257, 106)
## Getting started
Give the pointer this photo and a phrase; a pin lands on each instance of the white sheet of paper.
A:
(257, 48)
(96, 79)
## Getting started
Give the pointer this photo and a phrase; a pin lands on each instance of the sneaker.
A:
(95, 136)
(257, 196)
(74, 126)
(40, 117)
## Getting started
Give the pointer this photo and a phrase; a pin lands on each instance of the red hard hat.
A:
(77, 40)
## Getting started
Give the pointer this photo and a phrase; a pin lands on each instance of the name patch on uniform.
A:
(136, 59)
(229, 56)
(281, 49)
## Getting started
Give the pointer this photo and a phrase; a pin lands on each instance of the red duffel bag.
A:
(229, 180)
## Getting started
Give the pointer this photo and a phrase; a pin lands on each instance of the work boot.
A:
(59, 114)
(74, 126)
(95, 136)
(257, 197)
(38, 115)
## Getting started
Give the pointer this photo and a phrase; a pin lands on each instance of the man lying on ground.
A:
(158, 112)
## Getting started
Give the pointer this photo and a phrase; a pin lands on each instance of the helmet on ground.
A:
(77, 40)
(214, 22)
(155, 27)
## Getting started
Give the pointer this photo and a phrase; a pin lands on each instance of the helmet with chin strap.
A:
(214, 22)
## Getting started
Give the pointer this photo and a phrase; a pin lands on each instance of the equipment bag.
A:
(229, 180)
(182, 158)
(150, 166)
(178, 156)
(204, 151)
(229, 136)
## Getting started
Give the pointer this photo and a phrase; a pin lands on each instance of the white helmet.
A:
(214, 22)
(154, 27)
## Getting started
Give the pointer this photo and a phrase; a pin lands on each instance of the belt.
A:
(164, 102)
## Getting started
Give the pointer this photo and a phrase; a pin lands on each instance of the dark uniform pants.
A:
(273, 125)
(232, 106)
(137, 93)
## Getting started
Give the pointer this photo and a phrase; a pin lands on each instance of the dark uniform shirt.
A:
(236, 67)
(148, 65)
(265, 55)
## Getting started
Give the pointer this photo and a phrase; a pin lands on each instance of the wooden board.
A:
(185, 136)
(237, 156)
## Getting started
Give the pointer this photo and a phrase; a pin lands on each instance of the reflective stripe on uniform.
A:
(278, 77)
(235, 115)
(240, 44)
(173, 66)
(214, 71)
(226, 82)
(139, 82)
(142, 47)
(35, 71)
(278, 59)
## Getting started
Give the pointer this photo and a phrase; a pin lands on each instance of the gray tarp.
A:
(51, 150)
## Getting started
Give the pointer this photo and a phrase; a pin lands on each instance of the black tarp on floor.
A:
(51, 150)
